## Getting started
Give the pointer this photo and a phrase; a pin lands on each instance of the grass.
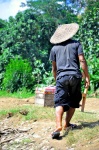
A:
(5, 112)
(19, 94)
(81, 136)
(38, 113)
(88, 124)
(21, 142)
(34, 112)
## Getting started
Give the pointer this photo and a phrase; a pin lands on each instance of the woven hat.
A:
(64, 32)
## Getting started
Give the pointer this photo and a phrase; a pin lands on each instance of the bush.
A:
(18, 75)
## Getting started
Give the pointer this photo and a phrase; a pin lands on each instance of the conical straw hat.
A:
(64, 32)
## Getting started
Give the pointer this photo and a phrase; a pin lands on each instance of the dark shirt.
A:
(66, 57)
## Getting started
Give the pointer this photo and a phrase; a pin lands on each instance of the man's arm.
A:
(85, 69)
(54, 69)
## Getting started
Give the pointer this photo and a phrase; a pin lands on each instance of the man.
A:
(67, 56)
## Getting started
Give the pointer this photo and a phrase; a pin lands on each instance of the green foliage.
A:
(94, 72)
(89, 35)
(18, 74)
(48, 79)
(2, 24)
(38, 71)
(28, 35)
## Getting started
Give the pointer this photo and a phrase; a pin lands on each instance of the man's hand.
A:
(87, 82)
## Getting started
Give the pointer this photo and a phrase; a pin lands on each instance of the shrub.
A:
(18, 75)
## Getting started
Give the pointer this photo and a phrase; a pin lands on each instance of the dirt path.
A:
(29, 135)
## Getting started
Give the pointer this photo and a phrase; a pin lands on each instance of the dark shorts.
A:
(68, 92)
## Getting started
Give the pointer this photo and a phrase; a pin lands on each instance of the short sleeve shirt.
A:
(66, 57)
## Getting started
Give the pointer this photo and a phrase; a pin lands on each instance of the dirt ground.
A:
(36, 135)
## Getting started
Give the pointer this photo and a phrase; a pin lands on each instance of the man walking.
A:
(67, 56)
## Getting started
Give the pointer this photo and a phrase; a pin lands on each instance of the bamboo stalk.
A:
(84, 99)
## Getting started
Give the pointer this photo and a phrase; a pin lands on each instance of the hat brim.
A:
(64, 32)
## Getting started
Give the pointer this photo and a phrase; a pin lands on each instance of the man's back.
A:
(66, 57)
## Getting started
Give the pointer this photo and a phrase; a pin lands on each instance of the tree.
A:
(88, 33)
(28, 34)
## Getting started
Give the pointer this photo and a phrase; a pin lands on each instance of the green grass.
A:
(83, 135)
(5, 112)
(19, 94)
(84, 116)
(88, 123)
(38, 113)
(88, 128)
(34, 112)
(21, 142)
(26, 141)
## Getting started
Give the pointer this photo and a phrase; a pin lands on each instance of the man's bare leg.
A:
(69, 115)
(59, 114)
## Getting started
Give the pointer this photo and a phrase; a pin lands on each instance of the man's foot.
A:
(72, 126)
(56, 133)
(67, 129)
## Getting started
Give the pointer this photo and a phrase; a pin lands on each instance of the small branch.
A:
(8, 140)
(23, 130)
(10, 130)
